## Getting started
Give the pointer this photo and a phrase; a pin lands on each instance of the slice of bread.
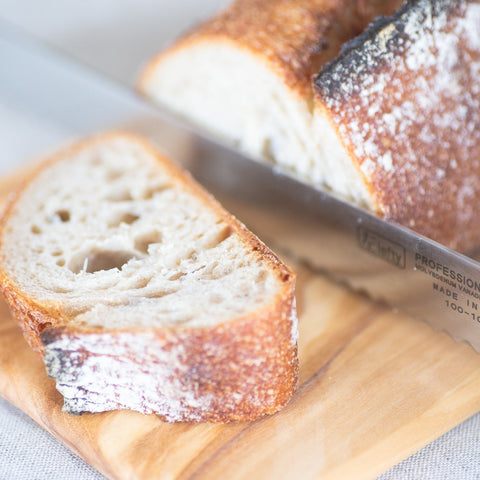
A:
(397, 120)
(142, 293)
(246, 74)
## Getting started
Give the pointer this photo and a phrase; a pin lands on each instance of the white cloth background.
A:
(116, 37)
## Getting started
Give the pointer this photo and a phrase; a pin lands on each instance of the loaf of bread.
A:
(142, 293)
(397, 120)
(392, 123)
(246, 74)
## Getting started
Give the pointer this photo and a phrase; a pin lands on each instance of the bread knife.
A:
(389, 262)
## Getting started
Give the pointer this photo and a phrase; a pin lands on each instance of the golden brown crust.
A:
(294, 38)
(265, 335)
(402, 97)
(32, 318)
(221, 362)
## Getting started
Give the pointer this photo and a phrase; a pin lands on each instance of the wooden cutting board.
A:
(375, 386)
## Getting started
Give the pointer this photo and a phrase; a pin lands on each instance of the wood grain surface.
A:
(375, 386)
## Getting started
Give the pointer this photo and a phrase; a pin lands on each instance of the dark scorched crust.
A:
(405, 100)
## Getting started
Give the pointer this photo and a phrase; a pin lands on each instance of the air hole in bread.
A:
(56, 253)
(261, 276)
(126, 217)
(176, 276)
(61, 262)
(35, 229)
(95, 161)
(143, 241)
(225, 233)
(151, 190)
(62, 289)
(215, 271)
(216, 298)
(142, 282)
(129, 218)
(185, 320)
(112, 174)
(120, 195)
(63, 215)
(158, 293)
(98, 260)
(192, 255)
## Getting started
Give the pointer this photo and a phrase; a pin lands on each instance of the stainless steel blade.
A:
(388, 261)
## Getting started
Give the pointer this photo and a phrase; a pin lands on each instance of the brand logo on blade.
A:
(381, 247)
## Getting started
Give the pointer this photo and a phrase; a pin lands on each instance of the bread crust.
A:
(219, 361)
(293, 38)
(415, 143)
(217, 368)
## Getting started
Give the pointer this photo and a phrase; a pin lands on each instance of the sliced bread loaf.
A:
(392, 123)
(246, 74)
(142, 293)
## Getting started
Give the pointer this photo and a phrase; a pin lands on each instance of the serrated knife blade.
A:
(389, 262)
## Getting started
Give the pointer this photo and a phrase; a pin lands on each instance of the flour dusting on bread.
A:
(405, 100)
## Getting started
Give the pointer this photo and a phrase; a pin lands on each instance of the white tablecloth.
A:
(116, 37)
